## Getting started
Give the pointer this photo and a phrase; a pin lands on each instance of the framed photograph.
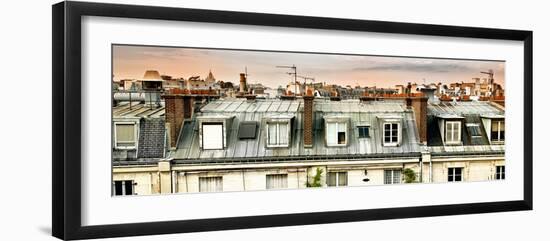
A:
(172, 120)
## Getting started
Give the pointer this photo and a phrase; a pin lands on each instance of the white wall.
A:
(26, 179)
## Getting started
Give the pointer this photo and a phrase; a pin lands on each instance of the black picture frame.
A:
(66, 47)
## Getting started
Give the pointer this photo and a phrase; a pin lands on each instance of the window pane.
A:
(272, 128)
(128, 188)
(342, 179)
(341, 137)
(396, 176)
(118, 188)
(331, 133)
(363, 132)
(448, 132)
(283, 133)
(331, 179)
(387, 176)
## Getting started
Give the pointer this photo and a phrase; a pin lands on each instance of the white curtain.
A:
(212, 136)
(331, 134)
(283, 133)
(272, 132)
(210, 184)
(276, 181)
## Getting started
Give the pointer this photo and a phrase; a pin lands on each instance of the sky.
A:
(131, 62)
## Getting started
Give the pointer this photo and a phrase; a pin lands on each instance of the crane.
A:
(491, 79)
(491, 74)
(293, 67)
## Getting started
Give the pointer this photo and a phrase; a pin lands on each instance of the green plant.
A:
(316, 180)
(409, 176)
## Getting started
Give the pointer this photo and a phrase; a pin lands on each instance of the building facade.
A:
(242, 144)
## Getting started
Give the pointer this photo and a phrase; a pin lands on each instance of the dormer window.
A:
(391, 134)
(474, 129)
(337, 134)
(452, 132)
(125, 135)
(497, 130)
(212, 136)
(278, 133)
(213, 131)
(336, 130)
(363, 131)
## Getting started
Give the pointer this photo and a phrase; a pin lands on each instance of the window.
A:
(125, 135)
(454, 174)
(336, 134)
(391, 134)
(392, 176)
(497, 130)
(474, 129)
(247, 130)
(363, 131)
(277, 134)
(212, 136)
(337, 179)
(210, 184)
(452, 132)
(276, 181)
(500, 173)
(124, 188)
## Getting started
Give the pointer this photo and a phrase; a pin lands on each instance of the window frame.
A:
(452, 122)
(391, 143)
(392, 178)
(454, 174)
(337, 178)
(359, 127)
(346, 131)
(500, 174)
(123, 187)
(136, 137)
(474, 125)
(278, 136)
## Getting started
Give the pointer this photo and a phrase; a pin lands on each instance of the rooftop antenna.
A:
(293, 67)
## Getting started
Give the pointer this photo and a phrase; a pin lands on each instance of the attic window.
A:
(363, 131)
(278, 134)
(212, 136)
(497, 130)
(474, 129)
(125, 135)
(452, 132)
(247, 130)
(337, 134)
(391, 134)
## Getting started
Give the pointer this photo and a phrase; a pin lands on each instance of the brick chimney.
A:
(308, 119)
(420, 106)
(242, 85)
(178, 107)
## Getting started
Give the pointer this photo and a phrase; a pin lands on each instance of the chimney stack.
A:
(178, 107)
(308, 119)
(242, 86)
(419, 104)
